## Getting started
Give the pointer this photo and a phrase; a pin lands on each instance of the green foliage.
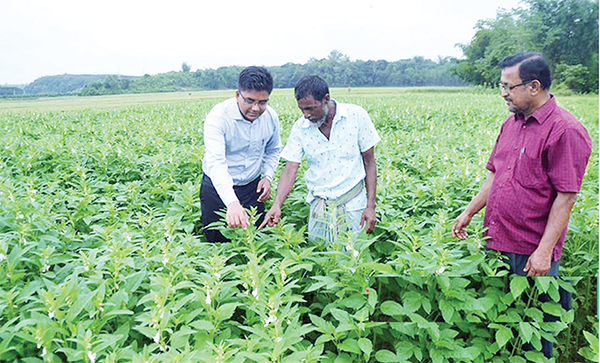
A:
(102, 258)
(10, 91)
(337, 69)
(60, 84)
(566, 32)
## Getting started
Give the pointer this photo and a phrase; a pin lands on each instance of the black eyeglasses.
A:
(250, 101)
(505, 87)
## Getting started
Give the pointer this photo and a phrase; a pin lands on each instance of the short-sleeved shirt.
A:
(237, 151)
(335, 166)
(533, 159)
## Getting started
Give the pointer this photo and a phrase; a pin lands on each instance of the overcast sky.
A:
(134, 37)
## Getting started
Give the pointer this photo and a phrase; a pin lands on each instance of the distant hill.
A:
(64, 84)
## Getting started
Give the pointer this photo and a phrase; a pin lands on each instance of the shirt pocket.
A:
(257, 148)
(529, 172)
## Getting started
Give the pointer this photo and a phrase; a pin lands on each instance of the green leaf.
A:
(366, 346)
(225, 311)
(392, 308)
(503, 335)
(526, 331)
(412, 301)
(518, 284)
(181, 337)
(536, 357)
(542, 283)
(203, 325)
(349, 345)
(553, 308)
(385, 356)
(79, 304)
(341, 316)
(436, 356)
(447, 310)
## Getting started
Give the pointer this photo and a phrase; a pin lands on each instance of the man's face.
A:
(315, 111)
(252, 103)
(514, 91)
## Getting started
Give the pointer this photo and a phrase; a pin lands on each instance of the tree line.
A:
(337, 69)
(565, 31)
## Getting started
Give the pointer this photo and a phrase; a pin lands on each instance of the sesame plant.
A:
(102, 258)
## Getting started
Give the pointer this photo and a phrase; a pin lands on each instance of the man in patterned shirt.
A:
(338, 141)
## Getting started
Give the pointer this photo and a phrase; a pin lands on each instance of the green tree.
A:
(185, 67)
(565, 31)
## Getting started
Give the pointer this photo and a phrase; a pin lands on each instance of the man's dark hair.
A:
(311, 86)
(255, 79)
(532, 66)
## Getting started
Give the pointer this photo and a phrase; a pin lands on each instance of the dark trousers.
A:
(517, 264)
(210, 203)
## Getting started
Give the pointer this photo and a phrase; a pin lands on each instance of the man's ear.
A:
(536, 87)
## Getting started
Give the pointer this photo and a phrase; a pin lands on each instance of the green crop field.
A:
(102, 258)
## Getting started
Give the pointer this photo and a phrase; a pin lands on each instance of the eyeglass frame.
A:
(507, 88)
(251, 102)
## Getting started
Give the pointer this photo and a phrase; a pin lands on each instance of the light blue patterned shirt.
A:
(237, 151)
(334, 166)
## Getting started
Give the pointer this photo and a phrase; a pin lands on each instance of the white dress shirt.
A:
(237, 151)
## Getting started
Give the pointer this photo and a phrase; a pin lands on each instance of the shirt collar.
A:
(542, 113)
(233, 111)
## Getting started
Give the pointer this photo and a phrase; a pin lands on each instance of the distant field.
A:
(102, 258)
(76, 102)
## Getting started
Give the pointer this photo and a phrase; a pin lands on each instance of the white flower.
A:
(51, 314)
(156, 337)
(440, 270)
(270, 319)
(91, 356)
(2, 257)
(208, 300)
(255, 293)
(44, 352)
(351, 249)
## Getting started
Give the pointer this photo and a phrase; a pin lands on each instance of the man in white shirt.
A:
(338, 141)
(242, 143)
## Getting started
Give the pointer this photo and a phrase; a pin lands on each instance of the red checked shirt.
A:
(533, 159)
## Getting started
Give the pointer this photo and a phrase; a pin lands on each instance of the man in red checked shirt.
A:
(536, 170)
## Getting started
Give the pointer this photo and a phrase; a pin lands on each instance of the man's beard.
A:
(321, 121)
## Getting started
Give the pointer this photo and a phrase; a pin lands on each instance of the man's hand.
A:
(271, 218)
(538, 263)
(459, 225)
(237, 216)
(264, 188)
(368, 218)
